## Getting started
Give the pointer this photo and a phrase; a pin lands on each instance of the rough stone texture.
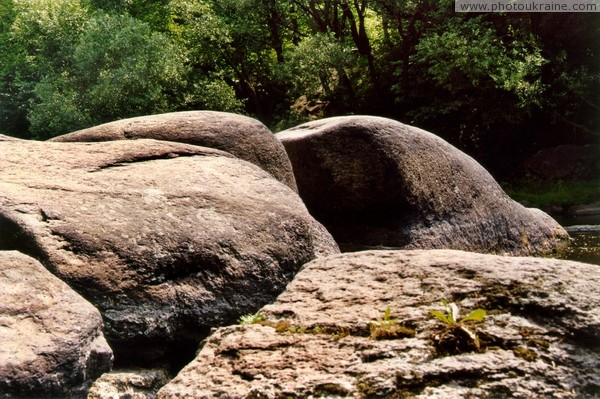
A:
(51, 341)
(244, 137)
(375, 182)
(166, 239)
(130, 384)
(565, 162)
(539, 339)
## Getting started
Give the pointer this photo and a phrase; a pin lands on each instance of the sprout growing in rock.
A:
(251, 318)
(457, 336)
(389, 328)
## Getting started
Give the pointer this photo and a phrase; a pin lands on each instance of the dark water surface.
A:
(585, 232)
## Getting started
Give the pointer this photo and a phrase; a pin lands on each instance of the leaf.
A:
(440, 316)
(475, 315)
(453, 313)
(251, 318)
(387, 314)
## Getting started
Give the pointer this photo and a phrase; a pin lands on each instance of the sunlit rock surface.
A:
(166, 239)
(244, 137)
(539, 339)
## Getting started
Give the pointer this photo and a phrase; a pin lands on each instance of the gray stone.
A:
(539, 339)
(130, 384)
(585, 228)
(51, 338)
(166, 239)
(243, 137)
(374, 182)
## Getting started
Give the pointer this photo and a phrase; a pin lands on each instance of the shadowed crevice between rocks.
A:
(156, 353)
(14, 235)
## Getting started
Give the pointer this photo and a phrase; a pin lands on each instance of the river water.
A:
(585, 232)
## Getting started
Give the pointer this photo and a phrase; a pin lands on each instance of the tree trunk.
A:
(274, 22)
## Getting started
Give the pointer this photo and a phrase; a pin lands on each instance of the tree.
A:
(470, 67)
(492, 84)
(120, 68)
(38, 41)
(317, 69)
(155, 13)
(205, 40)
(12, 118)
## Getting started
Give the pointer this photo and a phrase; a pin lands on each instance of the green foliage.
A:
(119, 68)
(45, 33)
(55, 109)
(251, 318)
(201, 32)
(389, 328)
(315, 67)
(214, 93)
(470, 54)
(222, 58)
(154, 13)
(38, 42)
(544, 194)
(457, 330)
(490, 84)
(451, 317)
(471, 66)
(11, 114)
(126, 67)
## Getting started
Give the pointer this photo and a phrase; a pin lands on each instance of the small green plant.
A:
(251, 318)
(388, 328)
(458, 335)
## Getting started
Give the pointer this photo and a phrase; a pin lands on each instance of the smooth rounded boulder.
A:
(375, 182)
(242, 136)
(166, 239)
(51, 341)
(364, 325)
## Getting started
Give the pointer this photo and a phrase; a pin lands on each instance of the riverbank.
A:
(585, 245)
(573, 204)
(582, 222)
(558, 198)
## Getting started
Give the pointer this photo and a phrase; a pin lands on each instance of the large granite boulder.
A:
(51, 341)
(376, 182)
(166, 239)
(329, 334)
(244, 137)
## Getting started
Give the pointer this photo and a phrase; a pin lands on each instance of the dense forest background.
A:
(498, 86)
